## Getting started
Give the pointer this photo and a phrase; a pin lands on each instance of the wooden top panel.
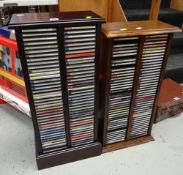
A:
(50, 18)
(134, 28)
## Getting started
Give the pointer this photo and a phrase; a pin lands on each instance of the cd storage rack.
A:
(133, 69)
(121, 82)
(59, 53)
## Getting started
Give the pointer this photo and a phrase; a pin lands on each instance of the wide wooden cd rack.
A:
(91, 88)
(60, 54)
(133, 60)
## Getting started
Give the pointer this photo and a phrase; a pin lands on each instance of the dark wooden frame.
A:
(70, 154)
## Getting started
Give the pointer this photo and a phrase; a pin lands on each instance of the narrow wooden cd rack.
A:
(60, 53)
(133, 60)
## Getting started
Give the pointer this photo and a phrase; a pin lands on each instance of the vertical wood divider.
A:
(96, 105)
(135, 84)
(62, 62)
(108, 56)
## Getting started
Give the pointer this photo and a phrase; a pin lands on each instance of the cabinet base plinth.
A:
(68, 155)
(126, 144)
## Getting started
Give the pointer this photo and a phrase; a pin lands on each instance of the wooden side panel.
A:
(98, 6)
(115, 12)
(177, 4)
(154, 11)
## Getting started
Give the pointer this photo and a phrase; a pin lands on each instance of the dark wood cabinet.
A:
(60, 53)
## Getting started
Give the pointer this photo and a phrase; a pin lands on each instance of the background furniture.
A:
(170, 100)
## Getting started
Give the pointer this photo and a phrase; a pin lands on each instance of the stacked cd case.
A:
(123, 63)
(152, 60)
(80, 48)
(89, 89)
(59, 53)
(41, 52)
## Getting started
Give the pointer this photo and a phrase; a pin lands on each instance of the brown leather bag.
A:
(170, 100)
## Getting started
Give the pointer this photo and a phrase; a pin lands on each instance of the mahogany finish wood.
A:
(59, 21)
(68, 155)
(97, 85)
(106, 54)
(31, 19)
(112, 30)
(141, 29)
(126, 144)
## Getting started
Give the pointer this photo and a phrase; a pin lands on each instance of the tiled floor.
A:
(163, 156)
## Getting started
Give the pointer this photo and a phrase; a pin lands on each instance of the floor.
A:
(163, 156)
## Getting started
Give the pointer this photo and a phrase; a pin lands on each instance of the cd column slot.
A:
(135, 84)
(19, 39)
(168, 46)
(152, 60)
(122, 75)
(43, 66)
(80, 54)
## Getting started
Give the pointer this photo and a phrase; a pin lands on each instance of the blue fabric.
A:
(4, 31)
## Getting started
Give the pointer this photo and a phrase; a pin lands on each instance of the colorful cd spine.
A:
(80, 64)
(123, 64)
(41, 51)
(152, 60)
